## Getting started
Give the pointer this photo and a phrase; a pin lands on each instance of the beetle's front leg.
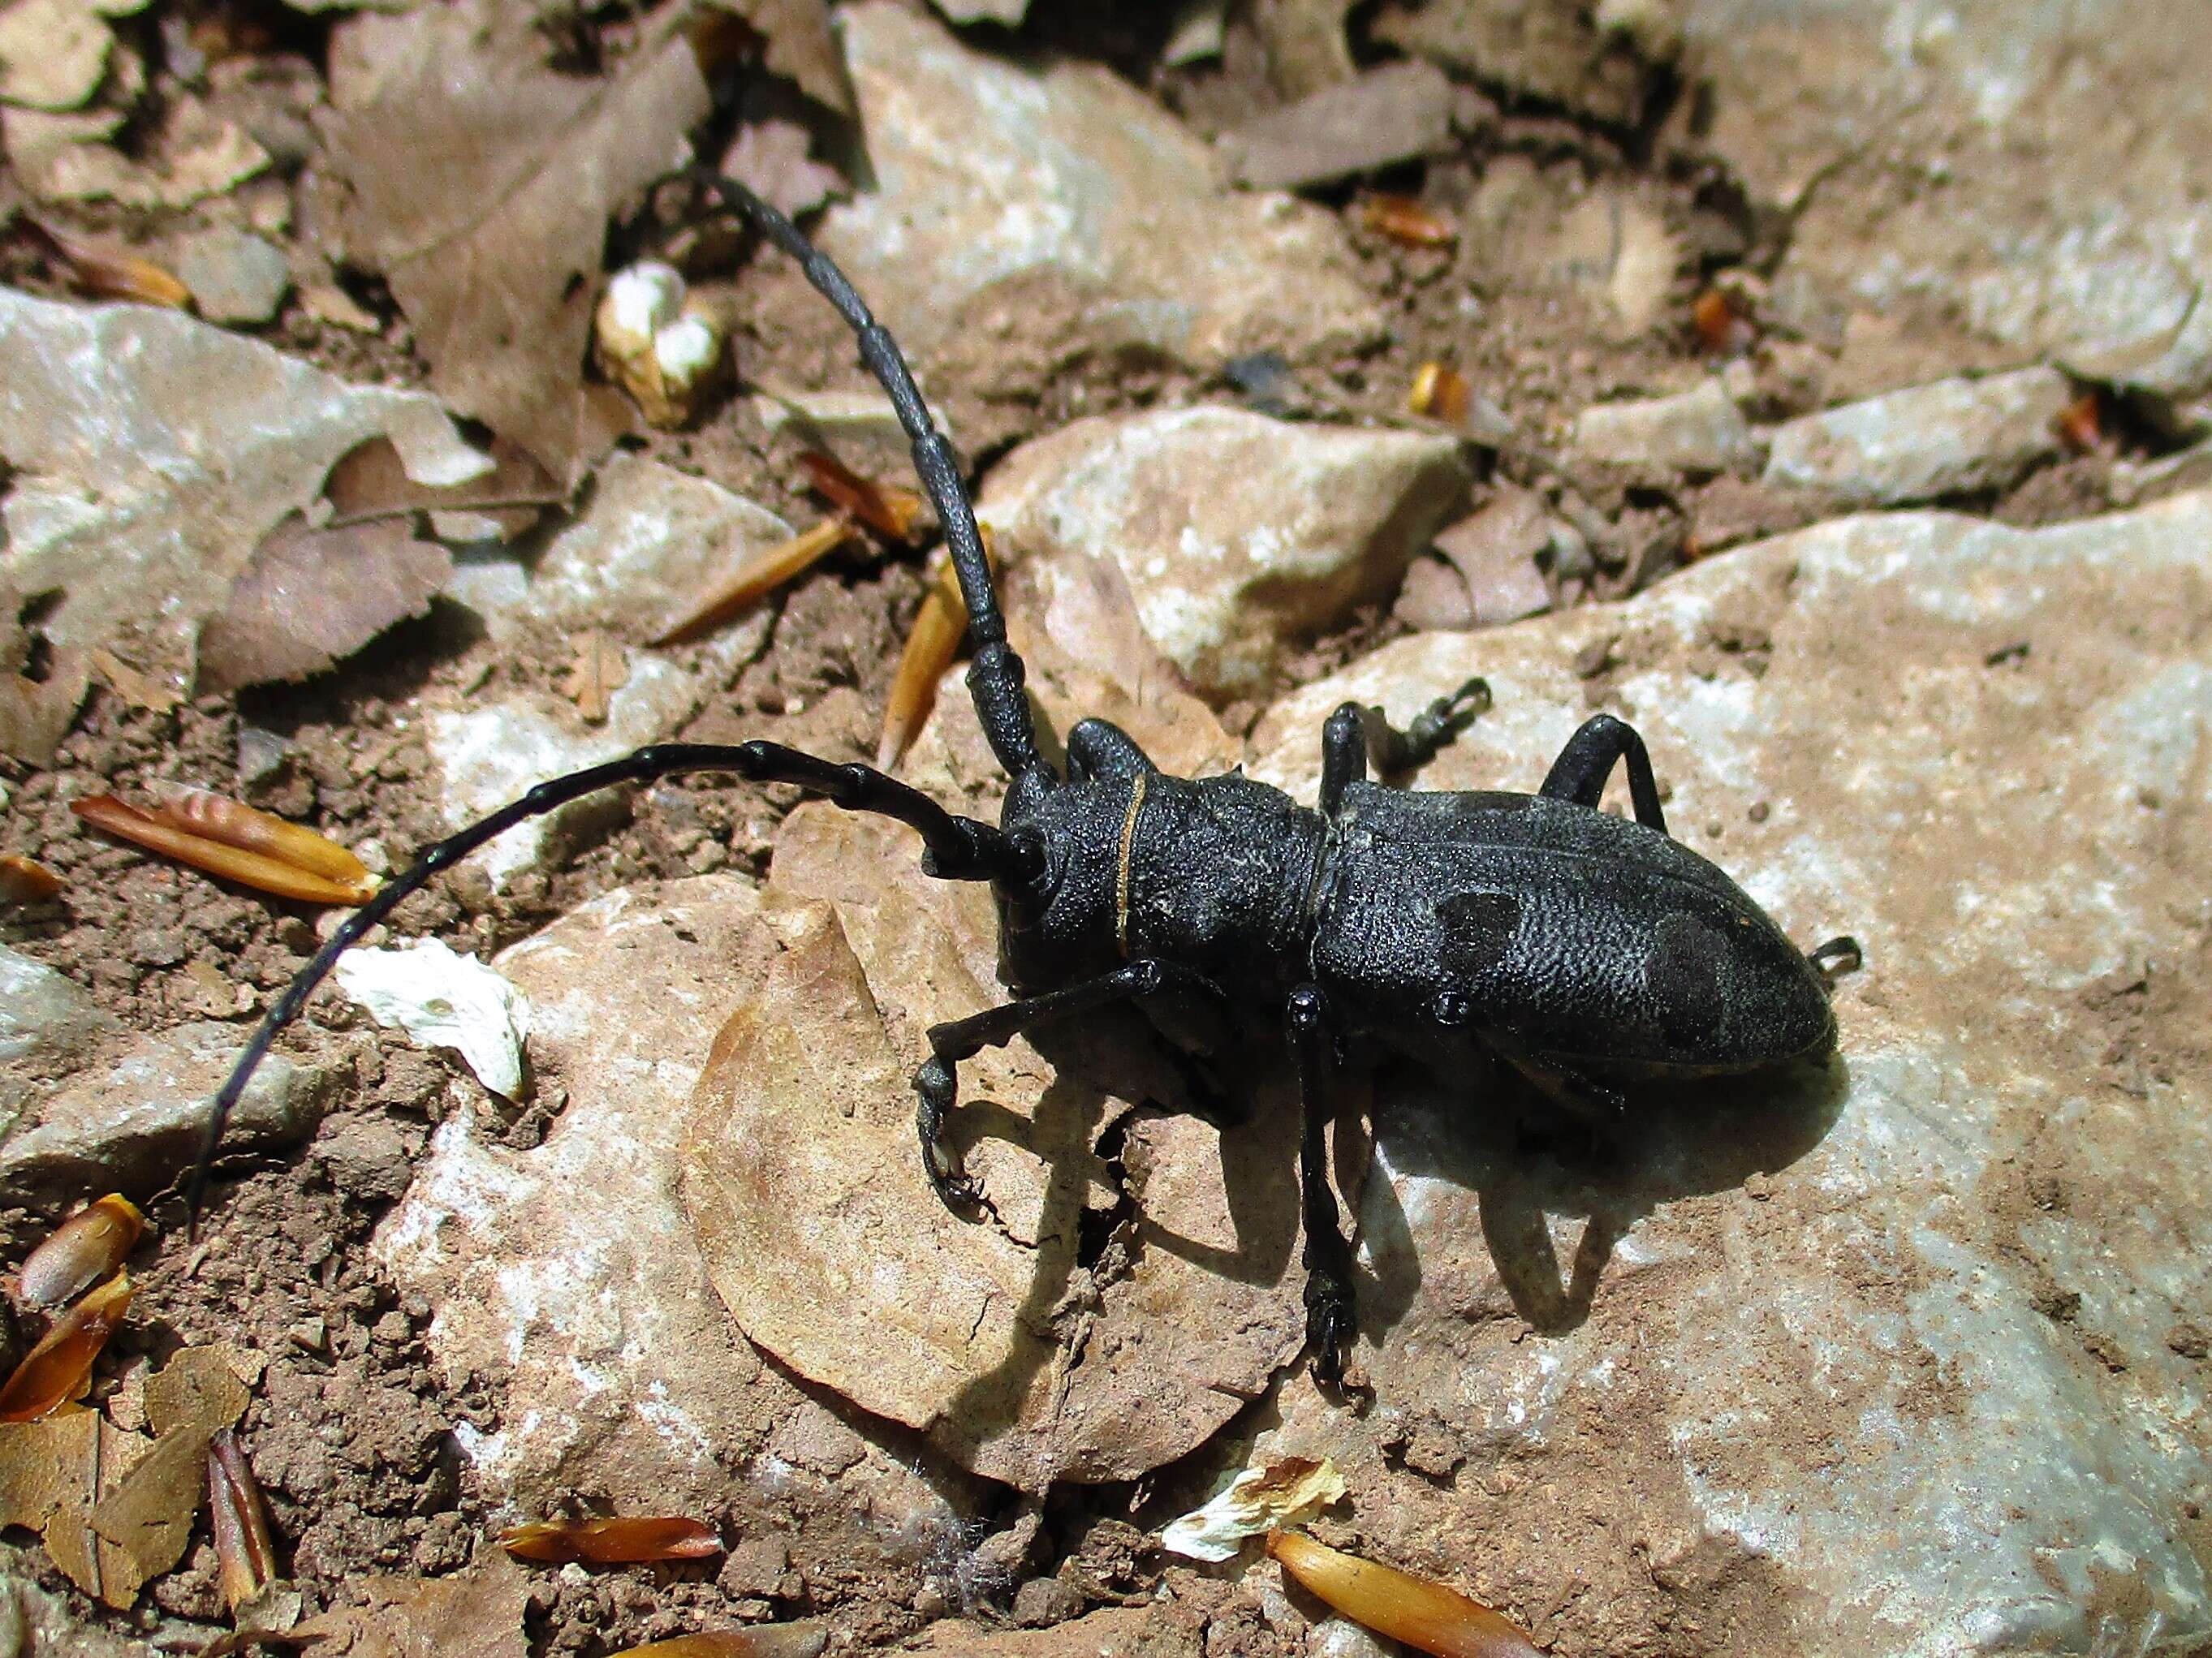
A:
(936, 1085)
(1330, 1324)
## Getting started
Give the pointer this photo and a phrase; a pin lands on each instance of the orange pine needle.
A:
(26, 881)
(935, 636)
(1422, 1614)
(56, 1368)
(611, 1542)
(108, 272)
(1406, 221)
(2081, 424)
(760, 1641)
(883, 507)
(84, 1249)
(1440, 391)
(238, 1517)
(198, 812)
(756, 577)
(259, 870)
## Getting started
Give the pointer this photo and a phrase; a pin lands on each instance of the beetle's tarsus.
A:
(1837, 957)
(1328, 1329)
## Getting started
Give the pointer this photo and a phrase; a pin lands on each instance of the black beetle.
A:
(1582, 948)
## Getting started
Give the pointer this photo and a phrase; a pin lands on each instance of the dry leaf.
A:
(56, 1368)
(1422, 1614)
(476, 1613)
(35, 713)
(238, 1520)
(802, 47)
(1259, 1500)
(612, 1541)
(774, 159)
(149, 1512)
(370, 481)
(52, 1473)
(83, 1249)
(483, 183)
(253, 868)
(53, 54)
(600, 669)
(108, 272)
(938, 627)
(1406, 221)
(26, 881)
(140, 690)
(757, 575)
(308, 598)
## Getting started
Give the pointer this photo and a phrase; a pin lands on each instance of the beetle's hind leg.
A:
(1837, 957)
(1330, 1320)
(936, 1084)
(1579, 773)
(1356, 737)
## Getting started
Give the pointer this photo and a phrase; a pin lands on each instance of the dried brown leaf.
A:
(370, 482)
(149, 1512)
(309, 597)
(476, 1613)
(39, 691)
(1422, 1614)
(233, 824)
(1403, 220)
(774, 159)
(755, 576)
(802, 46)
(140, 690)
(56, 1368)
(26, 881)
(84, 1249)
(599, 669)
(483, 181)
(238, 1520)
(612, 1541)
(53, 1472)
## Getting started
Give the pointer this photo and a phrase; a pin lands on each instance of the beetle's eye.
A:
(1032, 860)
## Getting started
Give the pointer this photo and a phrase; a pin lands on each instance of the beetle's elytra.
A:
(1581, 950)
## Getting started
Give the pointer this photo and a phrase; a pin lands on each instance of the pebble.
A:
(235, 276)
(1948, 438)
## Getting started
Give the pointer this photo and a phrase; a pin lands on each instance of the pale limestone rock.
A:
(131, 1122)
(1908, 1347)
(990, 177)
(1239, 536)
(152, 453)
(1700, 430)
(1924, 443)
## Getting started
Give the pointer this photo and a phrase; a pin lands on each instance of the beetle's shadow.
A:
(1526, 1164)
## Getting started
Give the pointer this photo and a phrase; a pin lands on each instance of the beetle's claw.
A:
(1328, 1329)
(934, 1088)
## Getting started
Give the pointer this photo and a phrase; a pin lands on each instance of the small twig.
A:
(482, 504)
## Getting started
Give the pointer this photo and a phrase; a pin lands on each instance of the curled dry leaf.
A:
(803, 1639)
(800, 45)
(54, 1369)
(52, 1474)
(307, 598)
(245, 1558)
(140, 690)
(213, 818)
(1403, 220)
(108, 272)
(1259, 1500)
(755, 576)
(260, 870)
(26, 881)
(149, 1513)
(1422, 1614)
(611, 1542)
(1440, 392)
(370, 482)
(883, 507)
(83, 1249)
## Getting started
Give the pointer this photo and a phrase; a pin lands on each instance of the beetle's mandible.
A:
(1580, 949)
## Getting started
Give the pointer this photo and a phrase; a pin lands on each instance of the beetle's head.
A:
(1058, 924)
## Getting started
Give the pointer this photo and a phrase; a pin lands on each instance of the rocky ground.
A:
(1829, 394)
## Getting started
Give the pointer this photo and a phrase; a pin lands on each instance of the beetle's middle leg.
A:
(936, 1084)
(1327, 1256)
(1356, 737)
(1579, 773)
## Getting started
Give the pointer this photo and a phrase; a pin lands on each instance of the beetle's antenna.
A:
(995, 676)
(954, 848)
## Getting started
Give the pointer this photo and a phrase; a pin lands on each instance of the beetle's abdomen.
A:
(1570, 935)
